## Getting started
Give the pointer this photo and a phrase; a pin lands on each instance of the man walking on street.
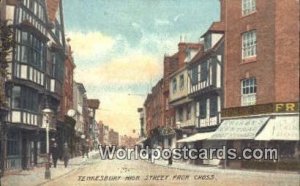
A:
(54, 152)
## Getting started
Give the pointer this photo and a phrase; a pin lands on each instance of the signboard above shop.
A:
(261, 109)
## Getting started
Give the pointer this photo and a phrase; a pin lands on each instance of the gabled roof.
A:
(201, 55)
(216, 27)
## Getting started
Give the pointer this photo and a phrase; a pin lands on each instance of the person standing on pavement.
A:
(66, 154)
(54, 152)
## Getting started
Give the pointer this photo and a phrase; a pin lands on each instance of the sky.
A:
(118, 48)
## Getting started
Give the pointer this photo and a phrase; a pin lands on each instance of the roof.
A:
(216, 27)
(52, 8)
(201, 55)
(81, 87)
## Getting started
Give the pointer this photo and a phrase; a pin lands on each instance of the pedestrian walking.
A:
(170, 160)
(66, 154)
(55, 154)
(87, 150)
(83, 150)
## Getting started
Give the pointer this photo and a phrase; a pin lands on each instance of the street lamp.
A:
(47, 113)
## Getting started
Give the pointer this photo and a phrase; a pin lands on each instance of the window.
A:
(13, 143)
(181, 81)
(213, 106)
(30, 50)
(203, 108)
(249, 44)
(194, 75)
(174, 84)
(25, 98)
(188, 112)
(16, 97)
(203, 76)
(248, 91)
(180, 114)
(207, 42)
(248, 6)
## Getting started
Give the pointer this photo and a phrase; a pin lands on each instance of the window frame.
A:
(248, 7)
(181, 81)
(249, 44)
(174, 85)
(248, 91)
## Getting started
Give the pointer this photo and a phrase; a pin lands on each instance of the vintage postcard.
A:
(149, 92)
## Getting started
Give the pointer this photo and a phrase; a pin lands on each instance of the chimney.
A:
(223, 10)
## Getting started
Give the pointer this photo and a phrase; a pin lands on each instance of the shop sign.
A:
(261, 109)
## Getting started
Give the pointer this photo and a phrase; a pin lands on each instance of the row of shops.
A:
(270, 131)
(24, 146)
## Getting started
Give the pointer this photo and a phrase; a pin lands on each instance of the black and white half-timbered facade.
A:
(36, 72)
(205, 91)
(206, 84)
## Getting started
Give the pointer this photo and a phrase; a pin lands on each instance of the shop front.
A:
(269, 131)
(21, 148)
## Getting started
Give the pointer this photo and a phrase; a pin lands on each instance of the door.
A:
(24, 152)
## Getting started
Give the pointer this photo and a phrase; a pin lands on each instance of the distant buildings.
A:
(113, 137)
(128, 141)
(107, 136)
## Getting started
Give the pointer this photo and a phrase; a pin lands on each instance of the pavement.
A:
(180, 165)
(36, 176)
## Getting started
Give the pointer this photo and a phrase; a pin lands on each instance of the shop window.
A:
(13, 143)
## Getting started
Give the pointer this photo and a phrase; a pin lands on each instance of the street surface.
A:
(139, 172)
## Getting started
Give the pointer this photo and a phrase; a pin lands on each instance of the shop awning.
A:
(196, 137)
(280, 128)
(234, 129)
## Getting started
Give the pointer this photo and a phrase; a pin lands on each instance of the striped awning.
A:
(239, 129)
(196, 137)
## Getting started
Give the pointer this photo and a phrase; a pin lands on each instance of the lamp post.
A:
(47, 113)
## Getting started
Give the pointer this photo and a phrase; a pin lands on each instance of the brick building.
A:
(66, 124)
(128, 141)
(103, 133)
(154, 108)
(261, 75)
(172, 64)
(113, 137)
